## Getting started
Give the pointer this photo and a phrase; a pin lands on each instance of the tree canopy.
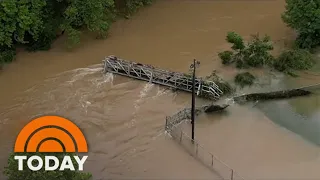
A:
(254, 53)
(304, 17)
(35, 24)
(257, 53)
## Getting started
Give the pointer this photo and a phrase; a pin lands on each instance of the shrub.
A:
(236, 40)
(256, 53)
(224, 86)
(244, 79)
(7, 55)
(226, 57)
(291, 60)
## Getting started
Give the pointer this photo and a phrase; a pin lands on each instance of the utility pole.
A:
(193, 66)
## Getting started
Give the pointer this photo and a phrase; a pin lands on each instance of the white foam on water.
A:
(109, 78)
(159, 135)
(95, 68)
(160, 92)
(229, 101)
(81, 74)
(65, 81)
(143, 93)
(145, 90)
(175, 95)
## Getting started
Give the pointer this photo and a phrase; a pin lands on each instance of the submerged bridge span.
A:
(163, 77)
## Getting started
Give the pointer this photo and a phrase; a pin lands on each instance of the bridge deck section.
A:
(163, 77)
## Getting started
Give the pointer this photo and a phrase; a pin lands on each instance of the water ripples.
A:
(119, 120)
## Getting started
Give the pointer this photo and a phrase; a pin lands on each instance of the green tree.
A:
(244, 79)
(12, 173)
(304, 17)
(37, 23)
(52, 16)
(255, 53)
(7, 55)
(293, 60)
(39, 20)
(128, 7)
(94, 15)
(18, 18)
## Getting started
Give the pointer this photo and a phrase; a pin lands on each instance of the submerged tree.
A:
(256, 53)
(244, 79)
(292, 60)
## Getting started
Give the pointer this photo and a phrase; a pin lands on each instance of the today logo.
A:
(50, 134)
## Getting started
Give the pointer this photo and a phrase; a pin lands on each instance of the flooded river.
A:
(123, 119)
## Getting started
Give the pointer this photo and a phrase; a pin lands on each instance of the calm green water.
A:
(300, 115)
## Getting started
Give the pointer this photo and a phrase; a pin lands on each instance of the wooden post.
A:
(180, 136)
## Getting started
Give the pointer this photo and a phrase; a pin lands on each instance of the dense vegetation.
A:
(36, 24)
(294, 59)
(301, 15)
(244, 79)
(12, 173)
(224, 86)
(304, 17)
(256, 53)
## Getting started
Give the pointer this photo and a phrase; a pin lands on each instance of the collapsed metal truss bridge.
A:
(155, 75)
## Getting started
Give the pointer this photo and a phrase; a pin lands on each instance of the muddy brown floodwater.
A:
(123, 119)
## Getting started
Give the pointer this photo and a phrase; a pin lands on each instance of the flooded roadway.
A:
(123, 119)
